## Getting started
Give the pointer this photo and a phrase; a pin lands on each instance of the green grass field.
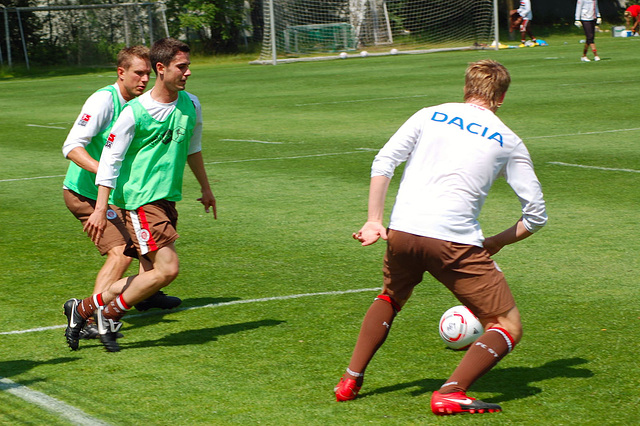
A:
(274, 291)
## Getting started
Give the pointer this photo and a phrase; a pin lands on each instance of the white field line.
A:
(78, 417)
(46, 127)
(582, 166)
(583, 133)
(72, 414)
(214, 305)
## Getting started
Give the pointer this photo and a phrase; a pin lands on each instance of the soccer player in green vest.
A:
(142, 168)
(83, 147)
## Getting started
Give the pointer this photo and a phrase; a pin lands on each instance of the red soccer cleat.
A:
(346, 389)
(460, 403)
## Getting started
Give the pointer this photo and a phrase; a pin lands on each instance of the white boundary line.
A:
(250, 140)
(46, 127)
(582, 166)
(583, 133)
(74, 415)
(214, 305)
(79, 417)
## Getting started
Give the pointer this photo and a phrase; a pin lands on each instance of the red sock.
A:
(481, 357)
(116, 309)
(88, 306)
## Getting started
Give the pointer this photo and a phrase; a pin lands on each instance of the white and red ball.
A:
(459, 328)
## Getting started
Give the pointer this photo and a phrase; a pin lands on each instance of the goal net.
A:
(86, 34)
(303, 28)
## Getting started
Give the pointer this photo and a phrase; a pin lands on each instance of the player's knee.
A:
(390, 300)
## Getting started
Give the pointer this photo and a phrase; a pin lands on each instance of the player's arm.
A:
(97, 222)
(111, 159)
(96, 114)
(517, 232)
(373, 229)
(521, 176)
(196, 164)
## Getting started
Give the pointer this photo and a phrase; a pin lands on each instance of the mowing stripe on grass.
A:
(582, 166)
(351, 101)
(214, 305)
(250, 140)
(74, 415)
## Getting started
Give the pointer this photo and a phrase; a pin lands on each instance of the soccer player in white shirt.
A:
(587, 17)
(453, 152)
(526, 14)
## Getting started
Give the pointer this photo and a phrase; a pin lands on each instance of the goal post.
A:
(306, 29)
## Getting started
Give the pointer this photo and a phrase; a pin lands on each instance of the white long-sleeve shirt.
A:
(587, 10)
(95, 116)
(454, 152)
(525, 10)
(124, 130)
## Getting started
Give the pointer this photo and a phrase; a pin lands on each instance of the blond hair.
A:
(486, 81)
(126, 55)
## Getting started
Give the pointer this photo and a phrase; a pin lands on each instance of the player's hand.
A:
(578, 24)
(209, 202)
(95, 225)
(598, 21)
(370, 233)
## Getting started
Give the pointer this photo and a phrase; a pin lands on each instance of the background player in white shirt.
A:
(587, 17)
(453, 152)
(524, 15)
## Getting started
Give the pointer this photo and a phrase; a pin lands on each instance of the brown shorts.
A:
(115, 234)
(152, 226)
(466, 270)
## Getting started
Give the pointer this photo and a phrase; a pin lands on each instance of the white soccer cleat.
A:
(585, 59)
(596, 58)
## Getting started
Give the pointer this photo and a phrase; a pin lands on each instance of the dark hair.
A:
(126, 55)
(165, 49)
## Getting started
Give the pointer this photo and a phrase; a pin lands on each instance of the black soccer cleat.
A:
(90, 331)
(107, 331)
(158, 300)
(75, 322)
(460, 403)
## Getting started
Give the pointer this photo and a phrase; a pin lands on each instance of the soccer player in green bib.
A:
(141, 169)
(83, 146)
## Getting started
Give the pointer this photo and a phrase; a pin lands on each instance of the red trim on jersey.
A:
(151, 243)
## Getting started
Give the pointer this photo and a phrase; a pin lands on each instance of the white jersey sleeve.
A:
(196, 138)
(96, 114)
(118, 141)
(520, 175)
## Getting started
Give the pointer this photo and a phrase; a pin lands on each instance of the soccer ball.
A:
(343, 55)
(364, 53)
(394, 51)
(459, 328)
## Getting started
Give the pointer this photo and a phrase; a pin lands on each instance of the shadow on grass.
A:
(19, 366)
(203, 335)
(511, 383)
(136, 319)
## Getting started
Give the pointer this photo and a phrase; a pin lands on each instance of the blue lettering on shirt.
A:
(473, 128)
